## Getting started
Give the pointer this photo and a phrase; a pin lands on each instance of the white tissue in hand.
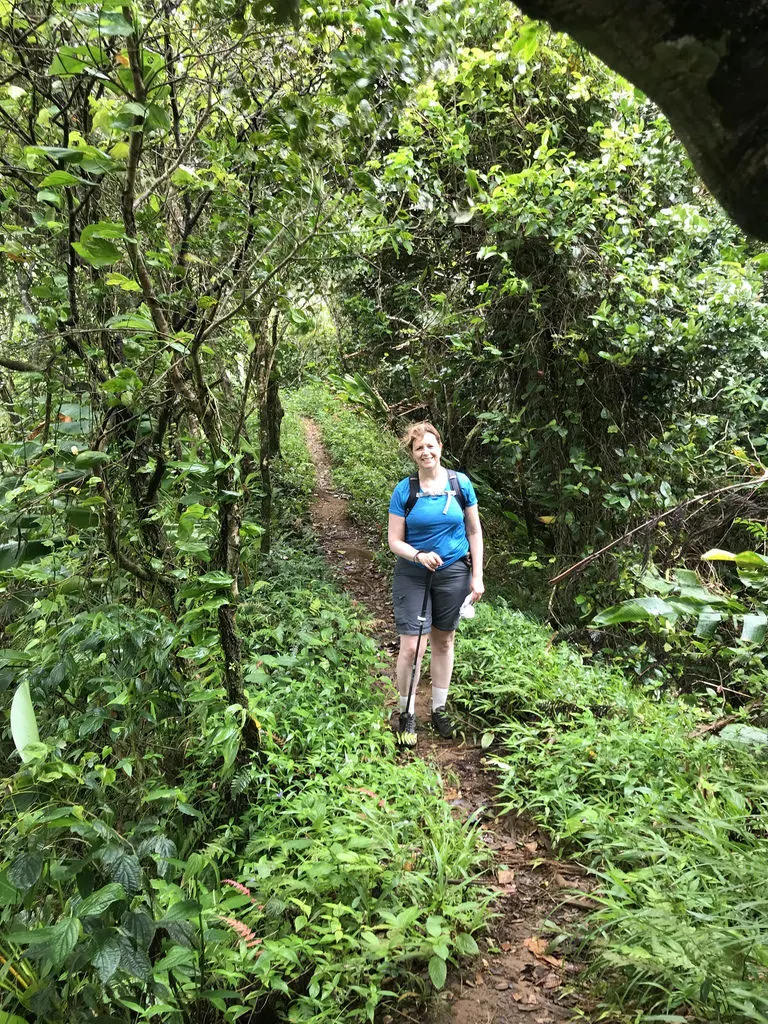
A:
(467, 610)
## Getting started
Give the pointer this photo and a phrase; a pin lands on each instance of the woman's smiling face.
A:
(426, 451)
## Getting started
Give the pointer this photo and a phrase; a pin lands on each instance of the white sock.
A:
(404, 700)
(439, 697)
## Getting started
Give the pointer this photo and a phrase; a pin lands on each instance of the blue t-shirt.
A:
(436, 523)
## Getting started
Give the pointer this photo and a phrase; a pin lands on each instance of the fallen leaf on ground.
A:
(538, 948)
(505, 876)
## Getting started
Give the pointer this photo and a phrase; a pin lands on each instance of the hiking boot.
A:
(405, 734)
(442, 725)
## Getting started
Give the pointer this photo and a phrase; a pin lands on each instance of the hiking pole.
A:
(408, 739)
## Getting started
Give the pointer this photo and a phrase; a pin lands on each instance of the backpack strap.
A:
(413, 494)
(453, 483)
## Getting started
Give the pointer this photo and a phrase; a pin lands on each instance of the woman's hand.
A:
(430, 560)
(477, 589)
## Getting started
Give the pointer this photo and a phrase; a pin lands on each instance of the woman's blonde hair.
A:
(417, 431)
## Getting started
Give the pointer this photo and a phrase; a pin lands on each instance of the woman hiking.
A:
(434, 529)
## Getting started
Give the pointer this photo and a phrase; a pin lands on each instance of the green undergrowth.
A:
(673, 826)
(367, 459)
(152, 868)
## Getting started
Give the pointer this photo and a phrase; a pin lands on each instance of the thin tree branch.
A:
(654, 520)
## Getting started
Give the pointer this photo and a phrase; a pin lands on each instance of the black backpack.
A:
(453, 483)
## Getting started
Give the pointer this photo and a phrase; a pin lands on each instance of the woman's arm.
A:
(475, 538)
(398, 545)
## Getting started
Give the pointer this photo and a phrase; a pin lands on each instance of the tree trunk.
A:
(265, 467)
(274, 412)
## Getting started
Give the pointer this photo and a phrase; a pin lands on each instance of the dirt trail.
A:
(513, 980)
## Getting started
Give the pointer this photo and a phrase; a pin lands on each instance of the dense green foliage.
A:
(564, 301)
(671, 824)
(437, 211)
(141, 800)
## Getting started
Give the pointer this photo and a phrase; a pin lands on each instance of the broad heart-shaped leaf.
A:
(107, 951)
(23, 720)
(63, 940)
(25, 870)
(98, 901)
(123, 866)
(640, 609)
(99, 252)
(437, 971)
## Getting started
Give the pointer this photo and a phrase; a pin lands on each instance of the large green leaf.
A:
(89, 459)
(123, 866)
(107, 952)
(63, 939)
(99, 252)
(134, 961)
(58, 178)
(640, 609)
(25, 869)
(11, 1018)
(707, 623)
(9, 894)
(466, 944)
(98, 901)
(754, 627)
(437, 971)
(17, 552)
(23, 721)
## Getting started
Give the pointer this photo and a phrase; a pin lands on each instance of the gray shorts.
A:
(449, 588)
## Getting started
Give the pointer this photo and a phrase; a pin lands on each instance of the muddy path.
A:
(512, 980)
